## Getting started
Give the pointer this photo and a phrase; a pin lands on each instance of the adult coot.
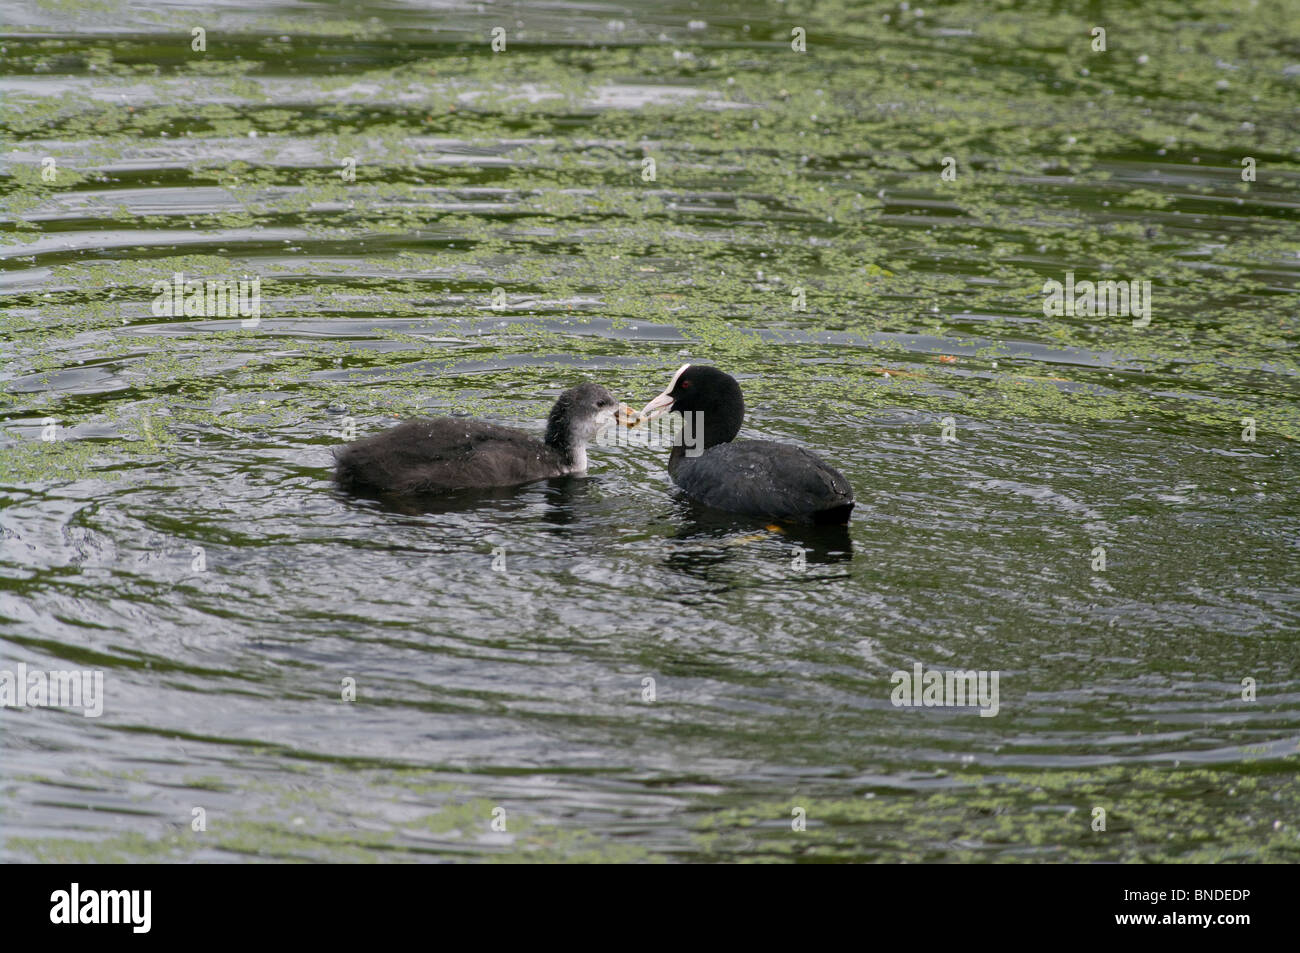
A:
(450, 453)
(753, 477)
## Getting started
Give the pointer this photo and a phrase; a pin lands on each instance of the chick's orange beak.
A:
(626, 416)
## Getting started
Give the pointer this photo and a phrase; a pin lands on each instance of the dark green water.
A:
(479, 690)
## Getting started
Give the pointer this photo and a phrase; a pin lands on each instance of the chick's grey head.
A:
(578, 415)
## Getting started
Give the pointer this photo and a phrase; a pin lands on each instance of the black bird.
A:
(753, 477)
(453, 453)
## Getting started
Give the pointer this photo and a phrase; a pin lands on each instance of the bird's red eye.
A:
(685, 384)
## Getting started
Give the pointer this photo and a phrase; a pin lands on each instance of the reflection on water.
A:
(560, 496)
(805, 543)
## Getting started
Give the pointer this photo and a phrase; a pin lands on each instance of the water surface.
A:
(182, 536)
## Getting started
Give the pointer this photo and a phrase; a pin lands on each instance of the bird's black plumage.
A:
(752, 477)
(427, 455)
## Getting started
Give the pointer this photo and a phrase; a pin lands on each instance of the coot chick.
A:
(454, 453)
(752, 477)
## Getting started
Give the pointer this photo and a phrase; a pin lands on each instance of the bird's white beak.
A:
(656, 408)
(663, 403)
